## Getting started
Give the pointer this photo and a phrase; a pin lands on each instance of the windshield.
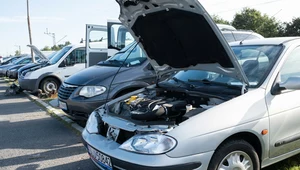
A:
(256, 61)
(17, 61)
(136, 57)
(59, 55)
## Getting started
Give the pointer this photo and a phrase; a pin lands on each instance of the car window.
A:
(80, 55)
(291, 66)
(229, 37)
(133, 54)
(244, 36)
(26, 61)
(59, 55)
(256, 61)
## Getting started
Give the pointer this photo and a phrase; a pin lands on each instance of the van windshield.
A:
(59, 55)
(133, 53)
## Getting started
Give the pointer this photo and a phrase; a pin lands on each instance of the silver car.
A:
(223, 107)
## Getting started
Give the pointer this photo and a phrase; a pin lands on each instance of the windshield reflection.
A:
(59, 55)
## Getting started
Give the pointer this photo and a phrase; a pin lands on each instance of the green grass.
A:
(292, 163)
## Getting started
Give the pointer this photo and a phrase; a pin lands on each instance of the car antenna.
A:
(131, 49)
(241, 42)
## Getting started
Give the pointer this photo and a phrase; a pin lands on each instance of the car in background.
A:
(240, 35)
(21, 61)
(12, 72)
(83, 92)
(225, 27)
(9, 60)
(214, 113)
(1, 59)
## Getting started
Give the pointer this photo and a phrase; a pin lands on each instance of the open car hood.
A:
(38, 52)
(179, 35)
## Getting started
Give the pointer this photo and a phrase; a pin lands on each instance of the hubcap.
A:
(236, 160)
(50, 86)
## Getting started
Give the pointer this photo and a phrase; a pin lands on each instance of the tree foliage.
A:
(252, 19)
(56, 47)
(17, 52)
(220, 20)
(290, 28)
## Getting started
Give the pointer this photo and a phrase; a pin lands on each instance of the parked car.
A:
(48, 77)
(213, 113)
(225, 27)
(21, 61)
(9, 60)
(12, 72)
(86, 90)
(240, 35)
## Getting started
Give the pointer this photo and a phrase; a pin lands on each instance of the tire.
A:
(235, 149)
(49, 84)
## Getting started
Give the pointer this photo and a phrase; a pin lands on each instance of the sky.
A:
(67, 18)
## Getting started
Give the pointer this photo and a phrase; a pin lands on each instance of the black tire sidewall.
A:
(235, 145)
(44, 84)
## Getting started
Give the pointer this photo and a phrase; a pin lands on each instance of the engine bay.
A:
(157, 105)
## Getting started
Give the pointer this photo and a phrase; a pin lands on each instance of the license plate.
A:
(62, 105)
(101, 159)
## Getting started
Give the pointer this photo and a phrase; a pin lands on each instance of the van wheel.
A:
(49, 84)
(235, 155)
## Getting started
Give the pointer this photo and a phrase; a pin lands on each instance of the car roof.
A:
(266, 41)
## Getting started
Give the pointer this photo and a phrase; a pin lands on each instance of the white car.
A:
(215, 112)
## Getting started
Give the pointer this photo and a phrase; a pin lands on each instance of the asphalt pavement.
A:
(32, 139)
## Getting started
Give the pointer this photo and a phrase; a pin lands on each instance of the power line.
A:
(259, 4)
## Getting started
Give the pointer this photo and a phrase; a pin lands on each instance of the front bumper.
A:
(12, 74)
(28, 84)
(122, 159)
(80, 109)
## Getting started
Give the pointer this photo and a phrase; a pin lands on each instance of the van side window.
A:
(75, 57)
(80, 55)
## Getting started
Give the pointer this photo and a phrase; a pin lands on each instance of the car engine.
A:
(158, 104)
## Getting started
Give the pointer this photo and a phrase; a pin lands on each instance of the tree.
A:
(46, 48)
(219, 20)
(251, 19)
(290, 28)
(17, 52)
(55, 48)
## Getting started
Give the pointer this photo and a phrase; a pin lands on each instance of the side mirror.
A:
(292, 83)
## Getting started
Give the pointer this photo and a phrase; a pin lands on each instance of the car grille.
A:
(65, 91)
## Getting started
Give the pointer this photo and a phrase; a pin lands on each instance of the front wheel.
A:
(235, 155)
(49, 84)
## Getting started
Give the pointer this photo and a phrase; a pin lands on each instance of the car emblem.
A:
(113, 133)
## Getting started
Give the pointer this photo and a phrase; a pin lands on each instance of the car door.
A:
(73, 63)
(284, 110)
(118, 37)
(96, 44)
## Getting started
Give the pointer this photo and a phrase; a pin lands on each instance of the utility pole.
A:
(51, 35)
(29, 30)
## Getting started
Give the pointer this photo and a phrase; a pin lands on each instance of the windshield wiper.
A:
(205, 81)
(183, 82)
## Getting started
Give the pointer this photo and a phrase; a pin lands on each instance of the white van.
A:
(69, 60)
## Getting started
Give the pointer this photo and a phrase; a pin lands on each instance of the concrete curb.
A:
(57, 112)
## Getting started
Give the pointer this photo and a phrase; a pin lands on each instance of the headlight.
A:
(149, 144)
(26, 74)
(91, 91)
(92, 123)
(13, 70)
